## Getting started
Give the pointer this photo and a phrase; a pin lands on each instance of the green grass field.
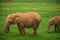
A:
(46, 10)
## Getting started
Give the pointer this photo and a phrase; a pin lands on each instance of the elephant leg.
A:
(55, 27)
(23, 29)
(20, 30)
(35, 30)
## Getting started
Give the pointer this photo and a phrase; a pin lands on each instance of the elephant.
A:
(23, 20)
(54, 21)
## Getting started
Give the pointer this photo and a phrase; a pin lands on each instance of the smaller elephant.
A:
(54, 21)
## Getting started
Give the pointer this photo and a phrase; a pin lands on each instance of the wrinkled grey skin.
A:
(23, 20)
(54, 21)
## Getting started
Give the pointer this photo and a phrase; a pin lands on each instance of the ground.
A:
(46, 10)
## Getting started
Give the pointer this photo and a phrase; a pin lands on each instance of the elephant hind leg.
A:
(20, 30)
(35, 27)
(35, 30)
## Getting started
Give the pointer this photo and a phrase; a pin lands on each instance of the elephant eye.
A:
(53, 21)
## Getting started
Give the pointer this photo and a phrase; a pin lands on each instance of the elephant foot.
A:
(59, 31)
(48, 32)
(21, 34)
(55, 31)
(34, 34)
(24, 34)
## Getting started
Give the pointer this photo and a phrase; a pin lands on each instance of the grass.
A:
(46, 10)
(31, 1)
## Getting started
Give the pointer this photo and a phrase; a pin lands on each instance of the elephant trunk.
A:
(48, 27)
(6, 27)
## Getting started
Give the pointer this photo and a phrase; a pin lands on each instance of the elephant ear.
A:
(52, 21)
(55, 21)
(18, 20)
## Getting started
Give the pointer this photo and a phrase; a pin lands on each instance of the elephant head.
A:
(51, 21)
(9, 20)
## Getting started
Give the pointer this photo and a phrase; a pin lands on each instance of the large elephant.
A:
(54, 21)
(23, 20)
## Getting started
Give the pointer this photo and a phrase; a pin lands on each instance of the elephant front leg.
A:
(20, 30)
(55, 28)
